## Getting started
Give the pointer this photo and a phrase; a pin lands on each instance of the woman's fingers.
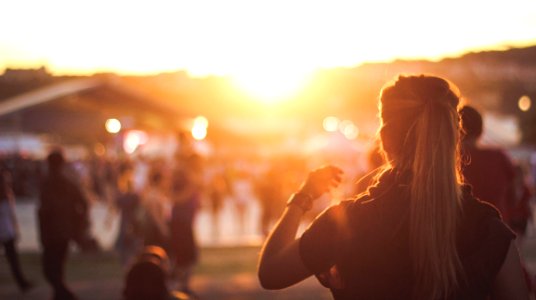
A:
(322, 179)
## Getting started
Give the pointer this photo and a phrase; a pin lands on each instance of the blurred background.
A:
(253, 87)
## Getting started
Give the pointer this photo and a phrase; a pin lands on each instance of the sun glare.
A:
(235, 37)
(271, 87)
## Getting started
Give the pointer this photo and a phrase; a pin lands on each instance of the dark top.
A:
(63, 210)
(368, 241)
(491, 174)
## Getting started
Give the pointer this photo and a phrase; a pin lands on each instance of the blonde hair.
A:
(419, 134)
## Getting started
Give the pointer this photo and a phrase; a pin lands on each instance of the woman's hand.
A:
(321, 180)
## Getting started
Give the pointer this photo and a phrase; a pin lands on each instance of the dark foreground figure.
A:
(417, 233)
(63, 218)
(146, 278)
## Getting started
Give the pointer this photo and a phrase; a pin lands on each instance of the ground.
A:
(223, 273)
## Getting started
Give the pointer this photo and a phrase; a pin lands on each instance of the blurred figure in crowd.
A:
(146, 278)
(242, 192)
(63, 217)
(519, 212)
(218, 190)
(187, 187)
(103, 178)
(157, 212)
(494, 178)
(128, 202)
(9, 229)
(269, 191)
(418, 233)
(492, 174)
(489, 171)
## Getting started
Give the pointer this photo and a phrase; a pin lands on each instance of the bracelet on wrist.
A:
(302, 200)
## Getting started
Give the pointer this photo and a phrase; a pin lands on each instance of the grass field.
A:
(222, 273)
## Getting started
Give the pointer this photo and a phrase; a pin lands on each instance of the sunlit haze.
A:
(268, 47)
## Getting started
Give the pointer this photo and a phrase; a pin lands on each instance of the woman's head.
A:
(414, 109)
(420, 136)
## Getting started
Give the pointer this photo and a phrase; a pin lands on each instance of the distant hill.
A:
(490, 80)
(518, 56)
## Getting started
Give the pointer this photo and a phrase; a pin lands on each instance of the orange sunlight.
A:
(268, 48)
(271, 86)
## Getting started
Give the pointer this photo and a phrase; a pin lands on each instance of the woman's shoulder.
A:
(362, 210)
(483, 220)
(483, 240)
(474, 207)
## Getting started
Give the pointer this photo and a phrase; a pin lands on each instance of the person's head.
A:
(55, 160)
(146, 278)
(420, 136)
(418, 111)
(471, 121)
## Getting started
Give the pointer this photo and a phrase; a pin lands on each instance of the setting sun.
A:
(267, 47)
(271, 86)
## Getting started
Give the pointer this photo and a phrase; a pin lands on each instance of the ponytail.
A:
(435, 203)
(420, 134)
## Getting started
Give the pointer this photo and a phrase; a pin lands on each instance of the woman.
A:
(417, 233)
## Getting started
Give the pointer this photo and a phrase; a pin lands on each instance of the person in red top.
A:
(494, 178)
(488, 170)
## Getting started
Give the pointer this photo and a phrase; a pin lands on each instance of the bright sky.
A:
(251, 39)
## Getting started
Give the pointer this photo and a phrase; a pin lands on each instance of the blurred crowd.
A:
(157, 199)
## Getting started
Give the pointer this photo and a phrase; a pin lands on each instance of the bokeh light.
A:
(113, 125)
(199, 128)
(524, 103)
(331, 124)
(134, 139)
(348, 129)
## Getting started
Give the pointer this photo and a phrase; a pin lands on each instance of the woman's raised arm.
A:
(280, 264)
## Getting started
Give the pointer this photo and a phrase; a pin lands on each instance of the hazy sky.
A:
(244, 38)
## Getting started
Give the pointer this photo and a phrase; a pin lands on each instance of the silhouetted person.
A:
(146, 278)
(242, 190)
(418, 233)
(156, 206)
(269, 190)
(63, 218)
(217, 192)
(488, 170)
(493, 177)
(128, 202)
(187, 186)
(9, 230)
